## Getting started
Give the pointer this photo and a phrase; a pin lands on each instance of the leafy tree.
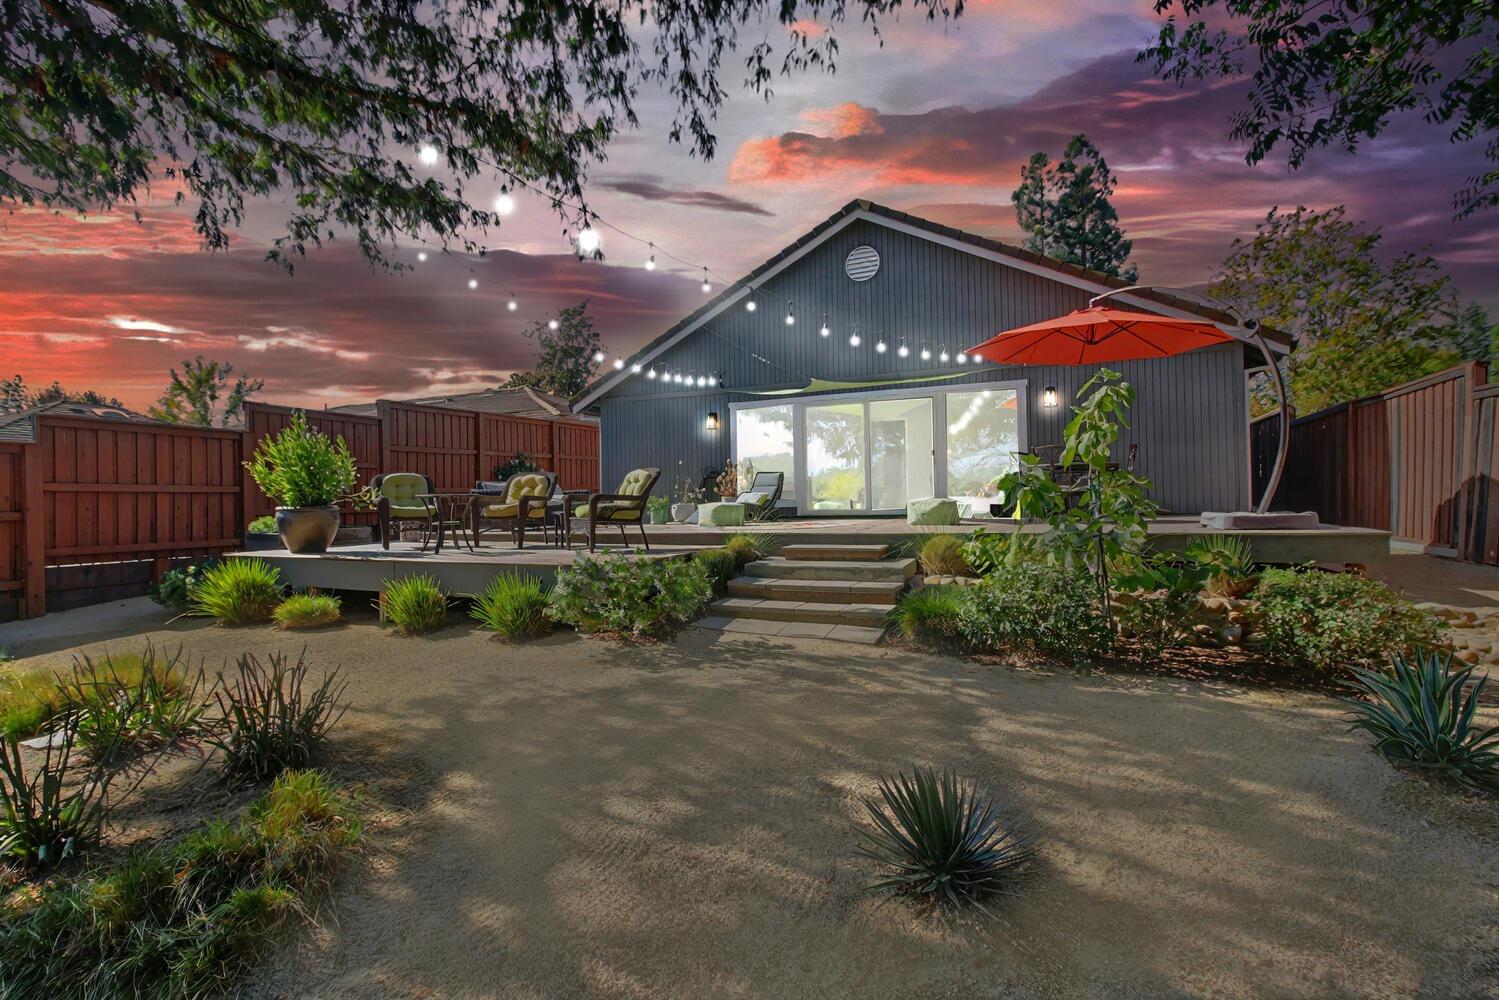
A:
(192, 397)
(1064, 208)
(1475, 338)
(1362, 325)
(15, 397)
(1331, 72)
(564, 356)
(324, 105)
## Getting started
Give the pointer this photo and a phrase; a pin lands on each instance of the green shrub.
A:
(513, 606)
(237, 592)
(274, 719)
(942, 555)
(1035, 608)
(931, 615)
(307, 611)
(721, 565)
(748, 546)
(265, 524)
(1328, 621)
(414, 604)
(943, 839)
(1229, 561)
(1164, 598)
(986, 551)
(50, 812)
(183, 920)
(630, 596)
(300, 467)
(1421, 717)
(175, 588)
(125, 703)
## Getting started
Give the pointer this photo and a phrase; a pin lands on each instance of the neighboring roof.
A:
(521, 401)
(860, 208)
(21, 426)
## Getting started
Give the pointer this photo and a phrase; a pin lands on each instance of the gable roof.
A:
(519, 401)
(1097, 282)
(21, 425)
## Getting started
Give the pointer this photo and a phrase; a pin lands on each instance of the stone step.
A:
(833, 569)
(841, 591)
(853, 635)
(814, 553)
(819, 612)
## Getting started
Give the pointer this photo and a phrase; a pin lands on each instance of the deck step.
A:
(833, 569)
(885, 592)
(818, 612)
(855, 635)
(855, 553)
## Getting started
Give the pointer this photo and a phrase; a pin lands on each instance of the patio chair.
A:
(625, 506)
(517, 503)
(761, 498)
(398, 492)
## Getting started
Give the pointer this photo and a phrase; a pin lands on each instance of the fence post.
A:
(382, 411)
(34, 526)
(1467, 462)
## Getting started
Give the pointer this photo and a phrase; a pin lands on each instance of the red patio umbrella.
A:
(1099, 334)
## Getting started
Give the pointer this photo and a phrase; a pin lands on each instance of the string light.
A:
(879, 346)
(824, 331)
(635, 369)
(853, 340)
(707, 285)
(702, 381)
(651, 373)
(421, 255)
(619, 364)
(903, 350)
(943, 356)
(598, 357)
(962, 358)
(749, 305)
(504, 204)
(790, 314)
(473, 283)
(926, 353)
(650, 265)
(589, 241)
(427, 154)
(552, 324)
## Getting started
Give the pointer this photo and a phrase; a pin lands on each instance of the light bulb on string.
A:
(427, 154)
(926, 353)
(943, 356)
(589, 241)
(552, 324)
(504, 204)
(903, 350)
(651, 373)
(650, 265)
(512, 305)
(824, 330)
(790, 314)
(962, 358)
(598, 357)
(619, 364)
(707, 285)
(879, 346)
(635, 368)
(702, 381)
(473, 283)
(749, 305)
(853, 340)
(421, 255)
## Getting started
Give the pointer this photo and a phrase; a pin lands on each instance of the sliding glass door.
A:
(875, 452)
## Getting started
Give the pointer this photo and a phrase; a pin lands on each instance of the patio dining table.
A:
(447, 511)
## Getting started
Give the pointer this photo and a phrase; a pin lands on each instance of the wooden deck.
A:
(363, 567)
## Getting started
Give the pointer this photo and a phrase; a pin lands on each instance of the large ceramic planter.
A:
(680, 512)
(307, 529)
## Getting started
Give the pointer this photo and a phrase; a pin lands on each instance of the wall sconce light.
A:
(711, 423)
(1049, 396)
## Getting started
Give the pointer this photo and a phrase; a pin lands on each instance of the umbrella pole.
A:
(1284, 445)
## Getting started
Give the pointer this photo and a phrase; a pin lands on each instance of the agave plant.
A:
(943, 839)
(1420, 715)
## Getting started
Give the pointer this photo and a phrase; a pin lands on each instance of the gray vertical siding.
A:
(1189, 420)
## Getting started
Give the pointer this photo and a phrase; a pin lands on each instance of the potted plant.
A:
(306, 474)
(659, 509)
(687, 506)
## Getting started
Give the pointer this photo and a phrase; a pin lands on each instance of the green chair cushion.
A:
(634, 483)
(932, 510)
(527, 485)
(407, 510)
(504, 510)
(610, 511)
(723, 515)
(402, 488)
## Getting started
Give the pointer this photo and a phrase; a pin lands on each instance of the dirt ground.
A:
(594, 820)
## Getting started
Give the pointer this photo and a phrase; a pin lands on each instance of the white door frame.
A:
(938, 394)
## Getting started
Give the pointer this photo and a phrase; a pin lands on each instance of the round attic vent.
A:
(862, 263)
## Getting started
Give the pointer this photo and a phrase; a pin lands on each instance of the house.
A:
(839, 362)
(20, 426)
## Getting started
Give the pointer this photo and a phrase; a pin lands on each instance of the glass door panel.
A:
(900, 452)
(983, 435)
(764, 437)
(836, 457)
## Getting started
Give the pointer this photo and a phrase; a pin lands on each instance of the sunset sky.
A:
(937, 123)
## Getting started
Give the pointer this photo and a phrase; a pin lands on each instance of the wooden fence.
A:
(96, 509)
(1402, 461)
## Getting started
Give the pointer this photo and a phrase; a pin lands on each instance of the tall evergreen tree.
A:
(564, 356)
(1065, 211)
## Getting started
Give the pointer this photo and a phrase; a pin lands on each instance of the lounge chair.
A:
(625, 506)
(398, 492)
(517, 503)
(764, 494)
